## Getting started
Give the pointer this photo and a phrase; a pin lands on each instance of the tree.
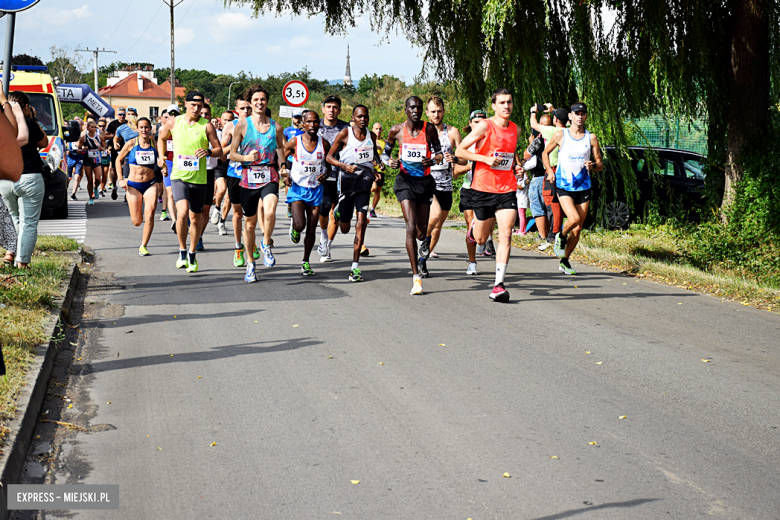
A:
(26, 59)
(711, 58)
(65, 65)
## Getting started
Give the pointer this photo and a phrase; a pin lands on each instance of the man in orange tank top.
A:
(414, 185)
(494, 184)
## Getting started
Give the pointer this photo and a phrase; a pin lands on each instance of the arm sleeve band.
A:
(386, 152)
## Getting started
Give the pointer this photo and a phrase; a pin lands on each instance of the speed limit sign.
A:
(295, 93)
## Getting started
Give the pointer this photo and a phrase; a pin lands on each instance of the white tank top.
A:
(307, 166)
(442, 173)
(361, 154)
(571, 174)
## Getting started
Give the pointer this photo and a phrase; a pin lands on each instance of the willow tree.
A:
(716, 59)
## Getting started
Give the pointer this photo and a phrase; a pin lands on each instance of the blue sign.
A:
(13, 6)
(12, 76)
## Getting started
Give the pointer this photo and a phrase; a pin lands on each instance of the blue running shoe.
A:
(250, 273)
(268, 257)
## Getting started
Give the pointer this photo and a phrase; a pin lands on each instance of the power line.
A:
(143, 33)
(177, 24)
(119, 24)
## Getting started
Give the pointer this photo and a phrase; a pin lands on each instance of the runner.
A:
(111, 129)
(551, 222)
(192, 136)
(376, 188)
(579, 155)
(258, 137)
(465, 193)
(244, 109)
(75, 166)
(105, 159)
(304, 193)
(141, 184)
(449, 137)
(295, 129)
(414, 185)
(166, 167)
(330, 126)
(93, 143)
(357, 151)
(494, 184)
(220, 182)
(211, 166)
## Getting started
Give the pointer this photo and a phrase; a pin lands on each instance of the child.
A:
(523, 203)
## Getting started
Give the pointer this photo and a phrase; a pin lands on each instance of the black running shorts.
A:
(234, 190)
(444, 198)
(209, 200)
(348, 202)
(578, 197)
(330, 196)
(465, 199)
(485, 204)
(195, 194)
(417, 189)
(251, 198)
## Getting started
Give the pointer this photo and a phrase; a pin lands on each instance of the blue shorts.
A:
(536, 198)
(142, 186)
(167, 178)
(74, 164)
(309, 196)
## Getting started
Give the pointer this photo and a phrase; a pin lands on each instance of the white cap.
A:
(297, 112)
(173, 107)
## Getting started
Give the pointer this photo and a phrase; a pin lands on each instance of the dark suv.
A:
(675, 179)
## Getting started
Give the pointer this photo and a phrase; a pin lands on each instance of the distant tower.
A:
(348, 73)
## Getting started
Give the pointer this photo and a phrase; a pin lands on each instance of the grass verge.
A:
(649, 252)
(26, 297)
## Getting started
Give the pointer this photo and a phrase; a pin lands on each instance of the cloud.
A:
(274, 48)
(183, 36)
(59, 17)
(235, 21)
(82, 12)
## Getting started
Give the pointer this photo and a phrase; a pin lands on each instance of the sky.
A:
(209, 37)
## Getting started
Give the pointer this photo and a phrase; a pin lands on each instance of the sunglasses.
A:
(102, 126)
(121, 114)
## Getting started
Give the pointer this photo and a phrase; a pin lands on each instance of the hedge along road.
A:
(297, 397)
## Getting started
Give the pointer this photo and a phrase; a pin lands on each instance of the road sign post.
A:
(295, 93)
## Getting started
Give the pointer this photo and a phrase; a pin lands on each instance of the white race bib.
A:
(364, 154)
(187, 163)
(169, 145)
(506, 161)
(144, 157)
(413, 153)
(211, 163)
(258, 175)
(311, 167)
(94, 154)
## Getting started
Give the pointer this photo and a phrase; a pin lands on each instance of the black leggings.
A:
(195, 194)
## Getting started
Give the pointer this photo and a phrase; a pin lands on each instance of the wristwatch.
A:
(208, 152)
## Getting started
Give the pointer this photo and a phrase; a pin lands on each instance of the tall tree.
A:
(716, 59)
(65, 65)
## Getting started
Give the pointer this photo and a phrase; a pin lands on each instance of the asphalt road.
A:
(308, 384)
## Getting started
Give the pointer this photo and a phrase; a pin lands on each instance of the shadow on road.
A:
(610, 505)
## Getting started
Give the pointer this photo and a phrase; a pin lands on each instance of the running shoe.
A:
(73, 197)
(433, 255)
(565, 267)
(499, 294)
(417, 287)
(490, 249)
(91, 202)
(372, 214)
(268, 257)
(255, 253)
(214, 215)
(102, 193)
(173, 226)
(364, 251)
(560, 245)
(113, 194)
(355, 275)
(336, 214)
(238, 258)
(221, 228)
(326, 257)
(181, 262)
(192, 267)
(164, 215)
(470, 232)
(322, 249)
(271, 242)
(200, 246)
(422, 267)
(306, 269)
(425, 248)
(544, 245)
(142, 251)
(250, 275)
(110, 186)
(472, 270)
(289, 211)
(295, 236)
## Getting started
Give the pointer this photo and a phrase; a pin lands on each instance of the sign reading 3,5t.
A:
(295, 93)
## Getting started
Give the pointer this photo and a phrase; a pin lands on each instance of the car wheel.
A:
(62, 211)
(618, 214)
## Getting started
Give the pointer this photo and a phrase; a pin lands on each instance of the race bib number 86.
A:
(187, 163)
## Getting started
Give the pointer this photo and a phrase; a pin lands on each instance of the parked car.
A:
(675, 179)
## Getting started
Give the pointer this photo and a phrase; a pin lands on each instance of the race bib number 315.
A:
(364, 154)
(506, 161)
(187, 163)
(413, 152)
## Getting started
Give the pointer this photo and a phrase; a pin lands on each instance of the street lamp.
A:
(229, 87)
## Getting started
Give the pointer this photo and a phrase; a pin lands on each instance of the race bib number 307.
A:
(506, 161)
(413, 152)
(187, 163)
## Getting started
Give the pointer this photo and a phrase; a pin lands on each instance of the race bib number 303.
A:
(187, 163)
(506, 161)
(413, 152)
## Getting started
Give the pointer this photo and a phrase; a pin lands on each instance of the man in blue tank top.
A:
(579, 155)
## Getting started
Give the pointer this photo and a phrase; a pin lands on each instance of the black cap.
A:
(561, 115)
(332, 99)
(579, 107)
(192, 94)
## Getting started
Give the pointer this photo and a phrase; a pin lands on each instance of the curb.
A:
(32, 394)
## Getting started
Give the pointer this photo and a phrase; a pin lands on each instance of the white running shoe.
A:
(544, 245)
(221, 228)
(417, 287)
(322, 249)
(472, 268)
(326, 257)
(214, 215)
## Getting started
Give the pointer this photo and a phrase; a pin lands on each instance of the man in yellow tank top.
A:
(191, 136)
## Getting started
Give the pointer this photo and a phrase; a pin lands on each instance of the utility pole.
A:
(95, 51)
(173, 63)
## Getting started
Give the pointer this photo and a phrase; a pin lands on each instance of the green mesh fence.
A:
(664, 132)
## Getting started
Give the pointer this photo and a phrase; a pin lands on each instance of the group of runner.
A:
(331, 169)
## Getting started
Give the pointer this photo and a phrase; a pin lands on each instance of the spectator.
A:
(24, 197)
(12, 128)
(8, 236)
